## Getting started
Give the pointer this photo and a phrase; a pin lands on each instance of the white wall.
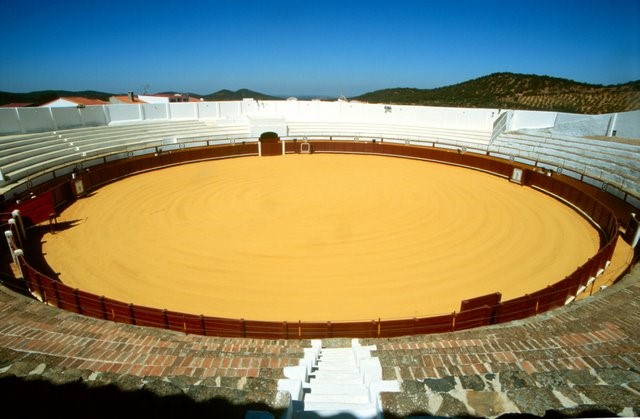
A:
(25, 120)
(356, 112)
(9, 121)
(66, 117)
(627, 124)
(183, 110)
(153, 111)
(581, 125)
(531, 119)
(208, 110)
(124, 113)
(36, 119)
(230, 110)
(93, 116)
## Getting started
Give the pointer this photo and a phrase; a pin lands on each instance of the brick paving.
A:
(578, 360)
(582, 359)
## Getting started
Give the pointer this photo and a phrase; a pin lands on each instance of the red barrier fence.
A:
(474, 312)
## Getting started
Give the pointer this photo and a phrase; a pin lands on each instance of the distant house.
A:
(130, 98)
(18, 105)
(168, 98)
(62, 102)
(127, 99)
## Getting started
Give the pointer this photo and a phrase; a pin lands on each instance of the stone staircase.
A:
(337, 383)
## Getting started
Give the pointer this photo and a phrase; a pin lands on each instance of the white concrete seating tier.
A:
(613, 150)
(114, 131)
(22, 156)
(13, 146)
(611, 162)
(13, 154)
(17, 144)
(387, 131)
(572, 156)
(12, 163)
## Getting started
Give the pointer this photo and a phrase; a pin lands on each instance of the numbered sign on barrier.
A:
(516, 175)
(78, 187)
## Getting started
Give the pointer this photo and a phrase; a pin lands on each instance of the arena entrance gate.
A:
(269, 144)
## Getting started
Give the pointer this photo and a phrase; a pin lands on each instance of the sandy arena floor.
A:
(316, 237)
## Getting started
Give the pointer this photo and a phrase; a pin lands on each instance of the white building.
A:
(66, 102)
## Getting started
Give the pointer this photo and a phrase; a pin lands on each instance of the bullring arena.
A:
(306, 259)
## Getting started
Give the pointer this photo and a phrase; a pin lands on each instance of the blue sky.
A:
(310, 47)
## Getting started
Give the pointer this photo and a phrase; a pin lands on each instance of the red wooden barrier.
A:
(263, 330)
(149, 317)
(118, 311)
(435, 324)
(269, 148)
(483, 300)
(480, 316)
(91, 305)
(30, 276)
(393, 328)
(515, 309)
(310, 330)
(37, 209)
(551, 297)
(214, 326)
(46, 286)
(190, 324)
(354, 329)
(66, 297)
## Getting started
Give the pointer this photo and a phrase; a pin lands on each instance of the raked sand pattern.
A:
(315, 238)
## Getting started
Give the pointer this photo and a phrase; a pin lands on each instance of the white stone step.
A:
(336, 350)
(350, 363)
(333, 357)
(337, 366)
(332, 380)
(335, 386)
(326, 356)
(363, 413)
(346, 353)
(339, 388)
(362, 398)
(357, 410)
(336, 376)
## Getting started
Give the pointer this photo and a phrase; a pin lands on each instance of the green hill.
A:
(238, 95)
(518, 91)
(498, 90)
(44, 96)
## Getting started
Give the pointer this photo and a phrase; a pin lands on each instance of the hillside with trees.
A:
(518, 91)
(498, 90)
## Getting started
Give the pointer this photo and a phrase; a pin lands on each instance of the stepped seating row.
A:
(12, 149)
(10, 142)
(620, 152)
(225, 130)
(388, 132)
(611, 162)
(22, 156)
(13, 146)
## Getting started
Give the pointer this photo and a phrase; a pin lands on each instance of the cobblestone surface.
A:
(580, 360)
